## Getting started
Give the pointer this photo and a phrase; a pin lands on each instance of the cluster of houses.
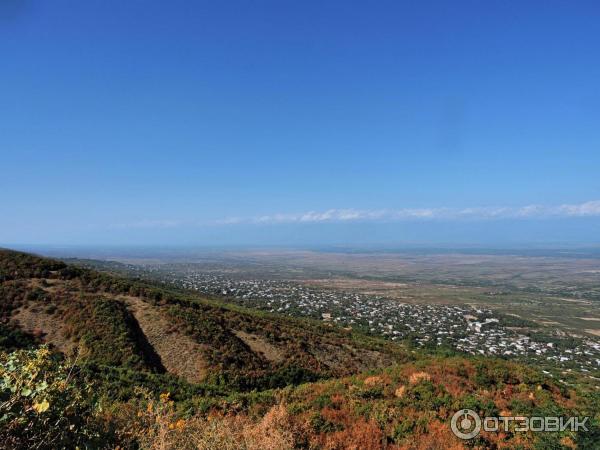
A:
(465, 328)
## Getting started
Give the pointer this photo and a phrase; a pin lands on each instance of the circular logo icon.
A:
(465, 424)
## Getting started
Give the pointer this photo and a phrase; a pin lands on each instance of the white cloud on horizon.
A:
(586, 209)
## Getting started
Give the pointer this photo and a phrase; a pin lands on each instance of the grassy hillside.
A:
(96, 360)
(118, 322)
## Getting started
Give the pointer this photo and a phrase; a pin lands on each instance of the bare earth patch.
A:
(179, 353)
(337, 358)
(261, 346)
(35, 320)
(50, 285)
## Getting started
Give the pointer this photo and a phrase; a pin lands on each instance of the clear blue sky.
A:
(298, 121)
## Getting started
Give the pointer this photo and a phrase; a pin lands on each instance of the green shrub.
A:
(321, 425)
(45, 404)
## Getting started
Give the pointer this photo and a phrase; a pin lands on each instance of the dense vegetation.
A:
(81, 365)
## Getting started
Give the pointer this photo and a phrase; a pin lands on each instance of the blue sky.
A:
(242, 122)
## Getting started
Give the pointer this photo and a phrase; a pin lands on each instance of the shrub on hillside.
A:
(158, 426)
(44, 404)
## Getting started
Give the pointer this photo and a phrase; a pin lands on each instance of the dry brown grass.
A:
(260, 346)
(179, 353)
(417, 377)
(157, 427)
(49, 327)
(399, 393)
(374, 381)
(363, 435)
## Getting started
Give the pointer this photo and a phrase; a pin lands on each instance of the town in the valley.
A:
(464, 328)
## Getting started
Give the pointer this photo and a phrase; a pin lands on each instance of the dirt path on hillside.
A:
(179, 353)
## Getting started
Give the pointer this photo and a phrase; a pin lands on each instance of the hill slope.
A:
(127, 323)
(153, 367)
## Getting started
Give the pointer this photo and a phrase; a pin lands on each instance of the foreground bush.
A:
(159, 427)
(44, 403)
